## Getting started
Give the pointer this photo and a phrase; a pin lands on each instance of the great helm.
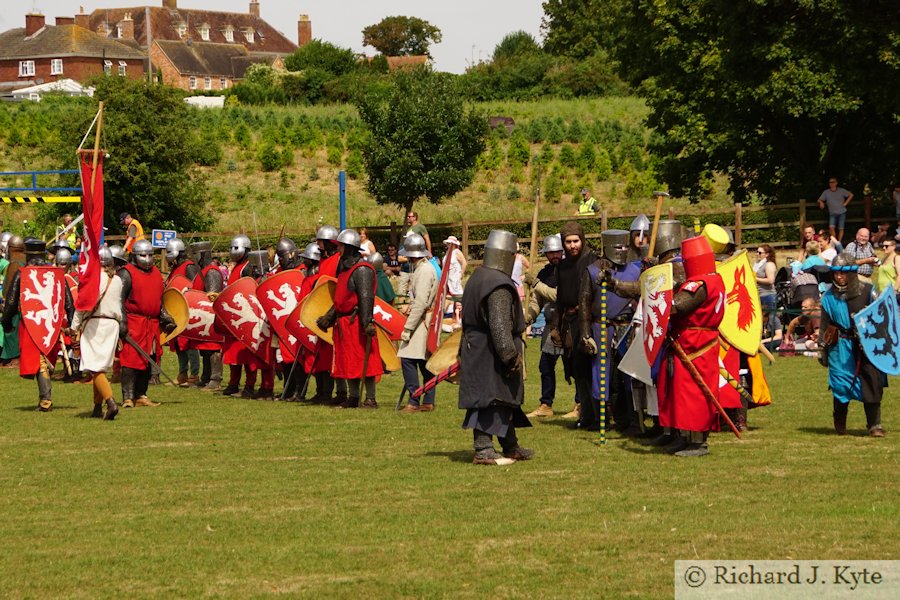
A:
(312, 252)
(349, 237)
(846, 263)
(327, 232)
(718, 237)
(201, 250)
(376, 260)
(142, 251)
(106, 257)
(174, 249)
(259, 260)
(63, 257)
(668, 236)
(500, 251)
(240, 246)
(698, 257)
(118, 255)
(285, 250)
(615, 245)
(414, 246)
(552, 243)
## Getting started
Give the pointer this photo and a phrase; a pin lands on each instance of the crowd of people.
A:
(587, 301)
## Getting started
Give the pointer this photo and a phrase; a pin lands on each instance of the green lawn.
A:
(217, 497)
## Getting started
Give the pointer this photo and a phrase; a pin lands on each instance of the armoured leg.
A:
(371, 401)
(127, 377)
(873, 419)
(352, 400)
(696, 445)
(511, 447)
(45, 387)
(141, 382)
(205, 370)
(182, 365)
(840, 417)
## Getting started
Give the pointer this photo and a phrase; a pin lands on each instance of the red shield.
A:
(300, 333)
(41, 301)
(386, 316)
(73, 287)
(279, 296)
(180, 283)
(239, 311)
(201, 318)
(656, 304)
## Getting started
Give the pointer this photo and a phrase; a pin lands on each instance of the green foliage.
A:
(514, 45)
(519, 152)
(208, 152)
(402, 36)
(567, 156)
(575, 132)
(587, 158)
(547, 153)
(603, 165)
(323, 56)
(269, 156)
(356, 167)
(513, 193)
(424, 141)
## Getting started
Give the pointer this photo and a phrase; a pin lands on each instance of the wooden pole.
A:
(659, 204)
(738, 223)
(465, 238)
(96, 148)
(534, 236)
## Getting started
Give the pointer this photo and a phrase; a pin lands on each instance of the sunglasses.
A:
(760, 251)
(887, 245)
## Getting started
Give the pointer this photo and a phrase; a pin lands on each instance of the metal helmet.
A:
(846, 263)
(640, 223)
(327, 232)
(4, 237)
(285, 250)
(63, 258)
(552, 243)
(201, 251)
(312, 252)
(175, 248)
(615, 245)
(106, 257)
(35, 248)
(718, 237)
(240, 246)
(668, 237)
(376, 260)
(259, 259)
(500, 251)
(349, 237)
(414, 246)
(142, 251)
(118, 254)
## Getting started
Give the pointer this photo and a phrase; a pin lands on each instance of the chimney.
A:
(83, 19)
(65, 21)
(304, 30)
(126, 28)
(33, 22)
(254, 8)
(170, 4)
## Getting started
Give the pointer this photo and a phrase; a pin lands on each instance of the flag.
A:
(92, 206)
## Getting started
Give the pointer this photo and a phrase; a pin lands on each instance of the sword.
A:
(309, 375)
(400, 399)
(290, 377)
(154, 368)
(362, 378)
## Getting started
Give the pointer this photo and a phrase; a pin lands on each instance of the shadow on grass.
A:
(820, 430)
(33, 407)
(463, 456)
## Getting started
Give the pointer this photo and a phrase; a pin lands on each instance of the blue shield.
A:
(878, 326)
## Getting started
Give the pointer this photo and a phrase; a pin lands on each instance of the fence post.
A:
(802, 216)
(394, 233)
(671, 214)
(465, 238)
(738, 217)
(603, 220)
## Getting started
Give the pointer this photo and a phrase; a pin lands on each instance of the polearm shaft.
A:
(432, 383)
(698, 379)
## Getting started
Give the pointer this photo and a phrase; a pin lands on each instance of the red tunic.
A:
(349, 337)
(179, 344)
(30, 353)
(681, 403)
(142, 308)
(329, 266)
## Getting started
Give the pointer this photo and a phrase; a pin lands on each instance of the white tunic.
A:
(422, 290)
(101, 331)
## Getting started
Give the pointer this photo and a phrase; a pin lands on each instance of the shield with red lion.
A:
(656, 307)
(742, 325)
(41, 302)
(201, 318)
(279, 296)
(239, 311)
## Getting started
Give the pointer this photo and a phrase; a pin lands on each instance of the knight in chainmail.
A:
(211, 281)
(491, 386)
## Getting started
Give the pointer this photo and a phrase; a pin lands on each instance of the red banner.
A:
(92, 207)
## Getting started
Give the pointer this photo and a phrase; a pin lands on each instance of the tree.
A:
(323, 56)
(423, 142)
(515, 44)
(580, 28)
(153, 149)
(402, 36)
(810, 93)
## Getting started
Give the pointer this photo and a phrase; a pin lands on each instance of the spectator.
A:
(367, 248)
(808, 323)
(588, 204)
(412, 219)
(881, 234)
(828, 250)
(803, 285)
(70, 237)
(133, 230)
(808, 235)
(889, 271)
(813, 258)
(392, 261)
(458, 266)
(836, 199)
(864, 254)
(765, 269)
(772, 334)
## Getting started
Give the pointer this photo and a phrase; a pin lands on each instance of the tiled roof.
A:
(209, 59)
(61, 41)
(164, 24)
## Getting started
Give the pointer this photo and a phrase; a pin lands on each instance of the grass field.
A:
(215, 497)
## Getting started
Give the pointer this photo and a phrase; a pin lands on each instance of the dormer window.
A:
(182, 29)
(229, 34)
(249, 36)
(204, 32)
(119, 32)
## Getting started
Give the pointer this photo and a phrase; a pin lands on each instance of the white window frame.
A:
(123, 68)
(120, 31)
(192, 82)
(229, 34)
(204, 32)
(249, 36)
(26, 68)
(182, 30)
(107, 66)
(56, 66)
(223, 83)
(207, 83)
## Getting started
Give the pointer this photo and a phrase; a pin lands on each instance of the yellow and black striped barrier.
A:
(38, 199)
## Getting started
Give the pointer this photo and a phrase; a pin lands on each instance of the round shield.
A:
(177, 307)
(446, 354)
(387, 350)
(316, 304)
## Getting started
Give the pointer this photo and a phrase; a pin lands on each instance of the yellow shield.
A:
(742, 325)
(177, 307)
(315, 305)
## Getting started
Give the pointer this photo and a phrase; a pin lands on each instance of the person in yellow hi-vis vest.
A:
(70, 237)
(133, 230)
(588, 204)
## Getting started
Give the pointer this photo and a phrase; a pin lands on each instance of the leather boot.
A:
(349, 403)
(111, 410)
(370, 403)
(182, 379)
(127, 377)
(840, 423)
(45, 391)
(97, 412)
(339, 399)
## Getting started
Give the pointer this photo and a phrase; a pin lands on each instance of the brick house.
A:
(205, 65)
(41, 53)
